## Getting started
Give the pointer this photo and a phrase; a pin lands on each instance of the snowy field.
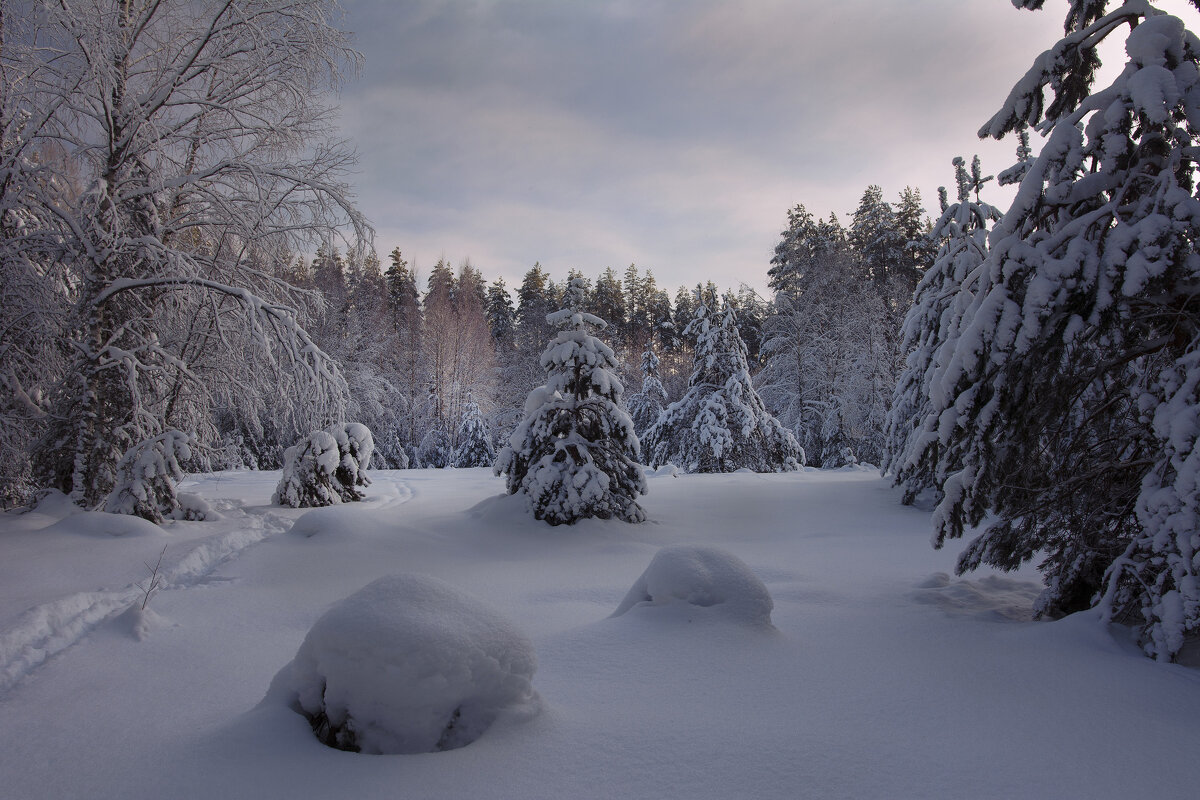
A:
(882, 676)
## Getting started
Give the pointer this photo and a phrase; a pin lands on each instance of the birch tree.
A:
(192, 159)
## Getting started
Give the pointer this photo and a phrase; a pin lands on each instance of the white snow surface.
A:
(408, 664)
(884, 677)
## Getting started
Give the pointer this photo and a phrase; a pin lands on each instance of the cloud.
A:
(668, 133)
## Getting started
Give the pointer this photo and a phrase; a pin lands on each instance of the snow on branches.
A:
(575, 454)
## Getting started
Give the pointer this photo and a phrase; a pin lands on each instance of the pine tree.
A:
(720, 424)
(935, 318)
(1072, 402)
(575, 454)
(646, 406)
(474, 441)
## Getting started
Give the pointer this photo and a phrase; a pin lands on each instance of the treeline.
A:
(416, 349)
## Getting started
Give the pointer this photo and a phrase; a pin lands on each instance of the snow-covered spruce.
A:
(435, 450)
(646, 406)
(328, 467)
(1068, 412)
(355, 446)
(935, 318)
(702, 577)
(474, 441)
(408, 664)
(575, 454)
(720, 424)
(309, 469)
(147, 476)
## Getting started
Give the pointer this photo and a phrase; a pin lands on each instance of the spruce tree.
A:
(474, 441)
(720, 424)
(934, 319)
(575, 454)
(1072, 399)
(646, 406)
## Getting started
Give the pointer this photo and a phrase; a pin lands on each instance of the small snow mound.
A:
(408, 664)
(54, 503)
(101, 523)
(991, 597)
(703, 577)
(667, 470)
(138, 622)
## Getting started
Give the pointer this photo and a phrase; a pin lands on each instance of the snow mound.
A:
(991, 597)
(408, 664)
(702, 577)
(101, 523)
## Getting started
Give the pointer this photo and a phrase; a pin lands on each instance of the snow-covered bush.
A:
(720, 424)
(703, 577)
(474, 442)
(355, 446)
(146, 478)
(309, 473)
(575, 454)
(435, 450)
(408, 664)
(328, 467)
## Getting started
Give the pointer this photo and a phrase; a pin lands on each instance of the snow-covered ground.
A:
(882, 676)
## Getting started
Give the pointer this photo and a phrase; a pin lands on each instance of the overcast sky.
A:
(674, 134)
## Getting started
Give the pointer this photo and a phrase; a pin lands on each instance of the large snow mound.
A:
(705, 578)
(408, 664)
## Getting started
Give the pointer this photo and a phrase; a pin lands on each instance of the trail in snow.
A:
(50, 628)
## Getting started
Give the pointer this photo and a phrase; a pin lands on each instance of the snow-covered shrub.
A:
(435, 450)
(146, 478)
(355, 447)
(408, 664)
(328, 467)
(474, 442)
(575, 454)
(309, 477)
(703, 577)
(720, 424)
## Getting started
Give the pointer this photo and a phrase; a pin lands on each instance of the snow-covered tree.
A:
(326, 467)
(646, 406)
(1069, 409)
(355, 446)
(720, 424)
(474, 447)
(147, 476)
(575, 455)
(309, 473)
(828, 354)
(436, 451)
(935, 318)
(183, 154)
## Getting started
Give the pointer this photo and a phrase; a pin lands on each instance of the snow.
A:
(863, 690)
(708, 580)
(407, 664)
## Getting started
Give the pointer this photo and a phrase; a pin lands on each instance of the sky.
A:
(672, 134)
